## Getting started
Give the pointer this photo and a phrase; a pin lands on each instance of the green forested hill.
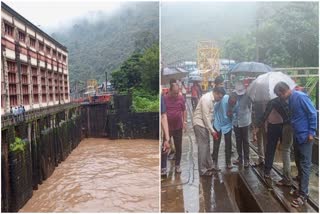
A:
(99, 47)
(287, 33)
(184, 24)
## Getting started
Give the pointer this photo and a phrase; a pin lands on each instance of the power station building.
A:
(34, 66)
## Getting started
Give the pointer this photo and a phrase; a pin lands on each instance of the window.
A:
(34, 71)
(35, 98)
(64, 58)
(48, 49)
(8, 29)
(59, 55)
(24, 68)
(54, 53)
(22, 36)
(11, 66)
(32, 42)
(41, 46)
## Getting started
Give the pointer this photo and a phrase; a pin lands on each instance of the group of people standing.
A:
(18, 113)
(289, 118)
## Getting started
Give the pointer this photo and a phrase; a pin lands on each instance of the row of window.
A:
(14, 99)
(22, 38)
(24, 69)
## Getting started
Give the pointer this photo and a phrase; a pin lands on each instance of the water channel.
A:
(101, 175)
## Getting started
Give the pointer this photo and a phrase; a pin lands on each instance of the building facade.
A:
(34, 66)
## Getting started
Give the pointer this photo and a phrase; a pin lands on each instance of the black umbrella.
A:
(250, 68)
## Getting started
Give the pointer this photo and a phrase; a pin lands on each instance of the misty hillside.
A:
(184, 24)
(99, 47)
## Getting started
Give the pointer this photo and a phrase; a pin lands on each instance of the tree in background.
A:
(287, 36)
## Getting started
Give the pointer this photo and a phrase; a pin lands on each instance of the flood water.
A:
(101, 175)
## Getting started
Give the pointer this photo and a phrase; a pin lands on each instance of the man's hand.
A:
(215, 135)
(166, 146)
(185, 126)
(310, 138)
(254, 134)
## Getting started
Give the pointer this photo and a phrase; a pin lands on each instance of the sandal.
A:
(207, 173)
(258, 164)
(298, 202)
(294, 192)
(284, 182)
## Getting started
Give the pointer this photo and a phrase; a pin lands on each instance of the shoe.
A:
(284, 182)
(229, 166)
(237, 162)
(246, 164)
(207, 173)
(178, 169)
(267, 176)
(296, 178)
(298, 202)
(261, 163)
(216, 168)
(163, 172)
(294, 192)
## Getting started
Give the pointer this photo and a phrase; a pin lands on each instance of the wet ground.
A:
(101, 175)
(226, 191)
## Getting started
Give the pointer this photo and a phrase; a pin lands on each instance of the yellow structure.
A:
(208, 62)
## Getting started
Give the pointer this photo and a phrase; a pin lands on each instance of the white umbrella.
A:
(261, 89)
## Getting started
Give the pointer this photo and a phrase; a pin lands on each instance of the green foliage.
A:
(287, 33)
(150, 67)
(18, 145)
(143, 101)
(101, 46)
(287, 36)
(139, 71)
(311, 84)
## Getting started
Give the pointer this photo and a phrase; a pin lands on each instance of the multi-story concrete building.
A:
(34, 66)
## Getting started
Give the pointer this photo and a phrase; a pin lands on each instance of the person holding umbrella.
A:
(304, 124)
(241, 121)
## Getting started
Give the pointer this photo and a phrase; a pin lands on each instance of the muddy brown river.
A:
(101, 175)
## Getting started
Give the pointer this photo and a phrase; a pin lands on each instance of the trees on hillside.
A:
(140, 71)
(287, 35)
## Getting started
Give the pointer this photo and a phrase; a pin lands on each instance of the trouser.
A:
(274, 134)
(228, 145)
(163, 158)
(261, 141)
(287, 140)
(177, 140)
(203, 140)
(303, 154)
(194, 102)
(242, 141)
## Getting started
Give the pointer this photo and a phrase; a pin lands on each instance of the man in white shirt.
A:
(202, 125)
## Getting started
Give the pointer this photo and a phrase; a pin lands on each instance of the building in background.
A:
(34, 66)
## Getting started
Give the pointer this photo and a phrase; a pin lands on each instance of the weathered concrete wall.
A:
(51, 135)
(49, 139)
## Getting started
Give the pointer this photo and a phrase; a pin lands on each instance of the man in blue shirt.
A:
(222, 123)
(304, 124)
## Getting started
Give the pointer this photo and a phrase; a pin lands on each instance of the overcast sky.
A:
(50, 15)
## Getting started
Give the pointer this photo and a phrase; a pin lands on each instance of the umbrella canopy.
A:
(250, 68)
(261, 89)
(195, 79)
